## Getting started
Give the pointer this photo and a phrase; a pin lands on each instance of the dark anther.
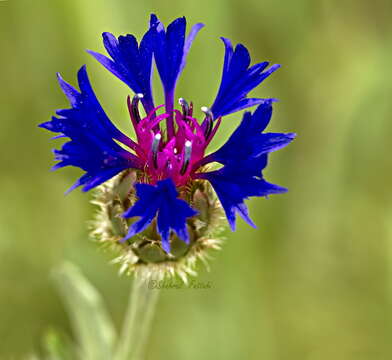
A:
(187, 157)
(185, 107)
(208, 121)
(154, 149)
(133, 107)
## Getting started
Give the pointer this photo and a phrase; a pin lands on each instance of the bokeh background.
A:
(314, 281)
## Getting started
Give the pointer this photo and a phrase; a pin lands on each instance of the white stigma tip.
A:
(158, 136)
(205, 109)
(188, 143)
(140, 95)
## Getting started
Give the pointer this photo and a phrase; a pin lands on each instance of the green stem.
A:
(137, 323)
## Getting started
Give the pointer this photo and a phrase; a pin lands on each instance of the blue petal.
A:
(146, 208)
(244, 156)
(161, 200)
(170, 51)
(248, 142)
(238, 79)
(130, 62)
(91, 147)
(188, 43)
(235, 183)
(245, 104)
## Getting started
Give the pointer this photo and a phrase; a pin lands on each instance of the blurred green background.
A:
(313, 282)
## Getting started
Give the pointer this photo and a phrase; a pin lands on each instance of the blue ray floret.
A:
(248, 141)
(237, 182)
(238, 79)
(169, 159)
(161, 201)
(245, 156)
(92, 147)
(131, 63)
(170, 51)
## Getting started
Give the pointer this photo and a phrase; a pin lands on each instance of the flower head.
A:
(168, 160)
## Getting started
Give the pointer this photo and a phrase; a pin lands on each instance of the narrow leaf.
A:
(90, 320)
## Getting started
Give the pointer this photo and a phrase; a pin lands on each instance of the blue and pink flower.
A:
(170, 149)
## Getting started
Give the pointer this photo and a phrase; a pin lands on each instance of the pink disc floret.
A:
(173, 156)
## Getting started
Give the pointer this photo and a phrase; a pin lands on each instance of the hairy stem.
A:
(137, 323)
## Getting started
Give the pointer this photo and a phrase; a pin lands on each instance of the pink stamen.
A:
(214, 130)
(150, 115)
(173, 155)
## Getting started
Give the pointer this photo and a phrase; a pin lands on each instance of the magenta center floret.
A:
(173, 155)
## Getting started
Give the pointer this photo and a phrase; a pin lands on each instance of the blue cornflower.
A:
(168, 154)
